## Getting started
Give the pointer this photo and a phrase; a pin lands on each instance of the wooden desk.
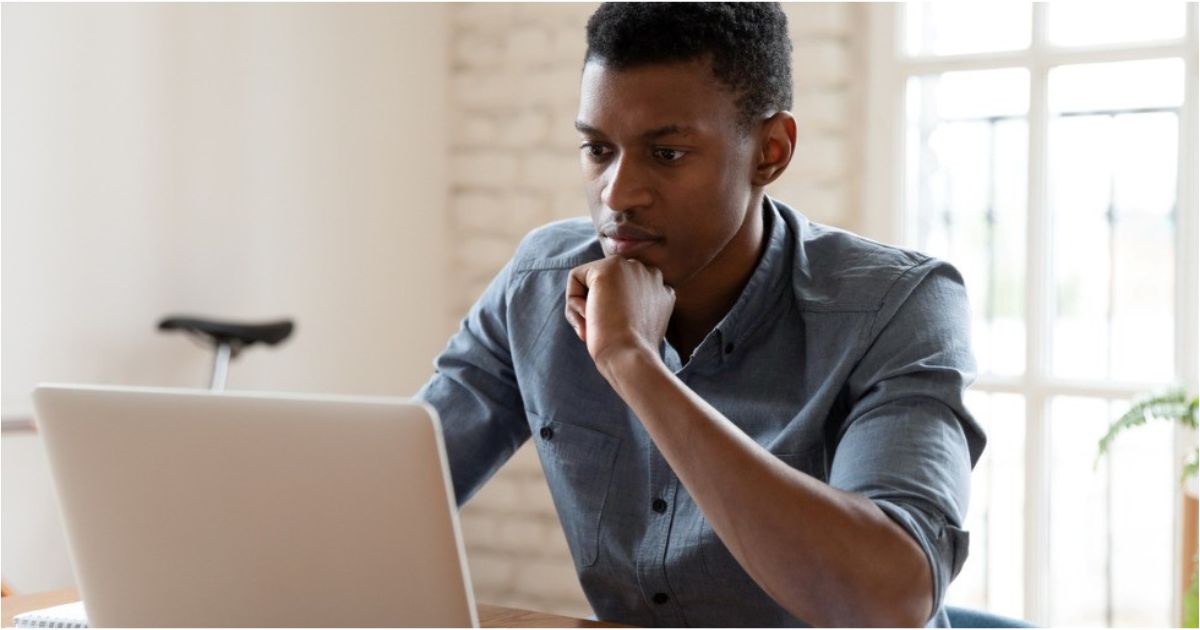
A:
(489, 616)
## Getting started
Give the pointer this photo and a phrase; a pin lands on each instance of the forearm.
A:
(829, 557)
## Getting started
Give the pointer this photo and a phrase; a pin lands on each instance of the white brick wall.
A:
(515, 92)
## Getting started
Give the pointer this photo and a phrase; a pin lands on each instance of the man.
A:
(744, 418)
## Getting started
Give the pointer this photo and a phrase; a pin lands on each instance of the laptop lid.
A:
(196, 508)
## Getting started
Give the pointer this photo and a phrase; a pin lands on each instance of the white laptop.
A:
(194, 508)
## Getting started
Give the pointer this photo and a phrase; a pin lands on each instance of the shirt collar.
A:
(764, 288)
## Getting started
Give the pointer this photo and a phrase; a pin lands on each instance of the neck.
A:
(707, 297)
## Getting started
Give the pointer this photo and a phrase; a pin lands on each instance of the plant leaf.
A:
(1190, 467)
(1171, 405)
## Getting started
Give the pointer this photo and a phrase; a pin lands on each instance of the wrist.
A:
(619, 362)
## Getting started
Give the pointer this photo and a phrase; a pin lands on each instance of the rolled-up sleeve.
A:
(908, 442)
(476, 394)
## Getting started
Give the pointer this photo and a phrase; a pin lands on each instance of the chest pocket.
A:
(579, 463)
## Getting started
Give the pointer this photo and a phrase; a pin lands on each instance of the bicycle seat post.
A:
(220, 366)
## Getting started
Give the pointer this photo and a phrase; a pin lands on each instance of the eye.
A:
(595, 151)
(669, 155)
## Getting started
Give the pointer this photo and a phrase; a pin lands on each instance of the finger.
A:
(577, 282)
(575, 321)
(576, 315)
(579, 324)
(575, 308)
(569, 314)
(578, 306)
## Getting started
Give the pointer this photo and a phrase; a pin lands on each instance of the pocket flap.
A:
(579, 462)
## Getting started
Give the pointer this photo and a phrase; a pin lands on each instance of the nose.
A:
(627, 187)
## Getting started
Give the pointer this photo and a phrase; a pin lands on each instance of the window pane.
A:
(972, 95)
(967, 197)
(952, 28)
(1116, 86)
(1111, 518)
(1080, 158)
(1112, 198)
(1142, 493)
(1091, 23)
(992, 577)
(1078, 513)
(1143, 302)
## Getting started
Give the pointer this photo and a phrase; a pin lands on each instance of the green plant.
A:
(1173, 405)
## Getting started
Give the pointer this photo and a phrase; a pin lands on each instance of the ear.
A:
(776, 145)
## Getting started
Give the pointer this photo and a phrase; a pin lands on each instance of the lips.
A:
(627, 240)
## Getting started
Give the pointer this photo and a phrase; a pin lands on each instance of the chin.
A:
(653, 259)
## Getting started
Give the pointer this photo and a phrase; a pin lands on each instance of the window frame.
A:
(885, 218)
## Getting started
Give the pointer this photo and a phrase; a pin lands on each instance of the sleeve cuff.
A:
(945, 546)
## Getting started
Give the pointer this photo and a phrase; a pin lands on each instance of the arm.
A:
(819, 551)
(475, 393)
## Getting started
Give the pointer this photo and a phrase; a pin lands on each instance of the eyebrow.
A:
(665, 130)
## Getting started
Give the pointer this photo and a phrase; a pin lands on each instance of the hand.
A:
(618, 303)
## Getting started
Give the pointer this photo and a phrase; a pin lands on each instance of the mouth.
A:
(626, 240)
(627, 247)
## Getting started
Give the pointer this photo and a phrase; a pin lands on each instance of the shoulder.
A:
(834, 269)
(557, 246)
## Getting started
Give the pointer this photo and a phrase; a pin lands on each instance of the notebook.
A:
(62, 616)
(187, 508)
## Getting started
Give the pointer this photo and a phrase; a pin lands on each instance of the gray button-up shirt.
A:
(845, 358)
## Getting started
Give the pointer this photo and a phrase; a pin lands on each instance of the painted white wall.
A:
(246, 161)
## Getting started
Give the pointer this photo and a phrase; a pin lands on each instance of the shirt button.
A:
(660, 598)
(729, 348)
(546, 433)
(659, 506)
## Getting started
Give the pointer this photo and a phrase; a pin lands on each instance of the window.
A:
(1048, 150)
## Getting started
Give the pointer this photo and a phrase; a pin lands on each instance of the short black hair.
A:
(747, 41)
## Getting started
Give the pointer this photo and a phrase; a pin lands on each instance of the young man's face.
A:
(667, 169)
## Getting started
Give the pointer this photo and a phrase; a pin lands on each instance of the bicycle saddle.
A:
(236, 334)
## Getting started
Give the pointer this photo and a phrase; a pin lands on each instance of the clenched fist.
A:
(618, 303)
